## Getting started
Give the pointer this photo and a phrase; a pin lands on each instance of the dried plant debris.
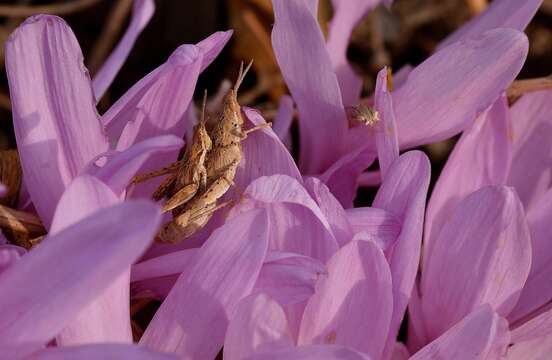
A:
(10, 176)
(21, 228)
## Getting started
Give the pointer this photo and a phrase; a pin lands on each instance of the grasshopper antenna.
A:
(242, 74)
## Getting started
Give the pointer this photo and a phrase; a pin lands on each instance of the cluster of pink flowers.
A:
(292, 271)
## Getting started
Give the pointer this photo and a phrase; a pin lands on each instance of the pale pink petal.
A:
(101, 247)
(305, 64)
(381, 226)
(353, 305)
(288, 278)
(296, 222)
(332, 210)
(259, 325)
(120, 167)
(513, 14)
(445, 93)
(142, 12)
(100, 351)
(105, 319)
(310, 352)
(531, 172)
(341, 177)
(155, 105)
(386, 134)
(55, 120)
(537, 349)
(539, 326)
(347, 13)
(537, 290)
(284, 117)
(192, 320)
(484, 151)
(478, 336)
(403, 193)
(9, 255)
(264, 154)
(482, 256)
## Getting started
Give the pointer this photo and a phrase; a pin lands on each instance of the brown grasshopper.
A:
(221, 165)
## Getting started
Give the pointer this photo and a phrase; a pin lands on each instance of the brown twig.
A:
(520, 87)
(65, 8)
(109, 35)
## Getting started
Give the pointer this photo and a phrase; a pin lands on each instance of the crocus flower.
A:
(507, 237)
(467, 73)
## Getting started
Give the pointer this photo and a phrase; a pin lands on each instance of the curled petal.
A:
(386, 135)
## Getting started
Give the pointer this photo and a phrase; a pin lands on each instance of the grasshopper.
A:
(187, 176)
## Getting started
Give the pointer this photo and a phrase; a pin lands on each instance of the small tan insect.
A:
(362, 114)
(20, 227)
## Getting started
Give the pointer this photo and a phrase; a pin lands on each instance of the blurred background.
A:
(406, 34)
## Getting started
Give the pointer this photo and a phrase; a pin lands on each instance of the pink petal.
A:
(537, 290)
(482, 256)
(296, 222)
(146, 108)
(105, 319)
(531, 173)
(347, 13)
(172, 263)
(353, 305)
(332, 210)
(55, 120)
(417, 333)
(288, 278)
(259, 325)
(500, 14)
(193, 319)
(305, 64)
(485, 152)
(341, 177)
(121, 167)
(537, 349)
(381, 226)
(386, 134)
(400, 352)
(284, 117)
(101, 247)
(142, 12)
(9, 255)
(100, 351)
(480, 335)
(539, 326)
(264, 154)
(403, 193)
(447, 91)
(326, 352)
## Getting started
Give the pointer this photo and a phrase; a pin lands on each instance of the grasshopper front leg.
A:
(171, 169)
